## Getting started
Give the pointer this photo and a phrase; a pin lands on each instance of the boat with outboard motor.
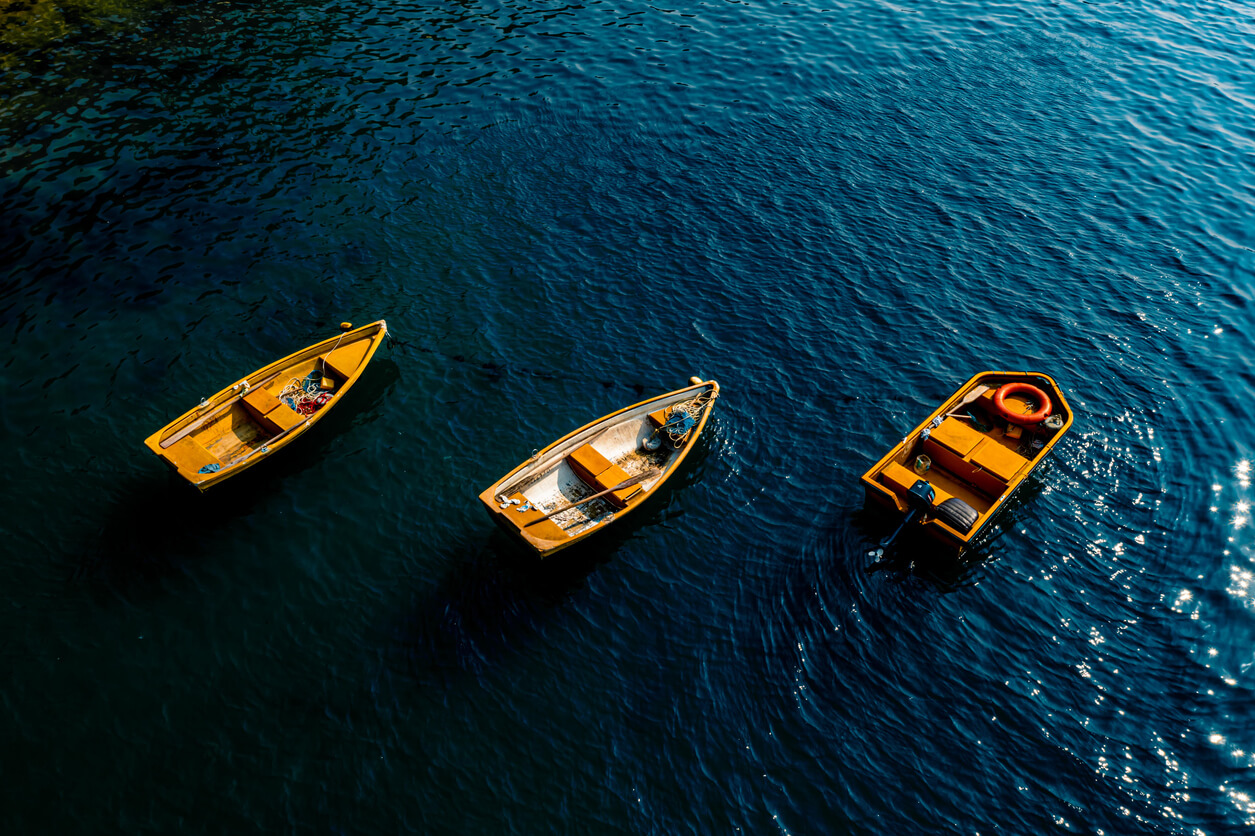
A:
(600, 472)
(251, 420)
(954, 471)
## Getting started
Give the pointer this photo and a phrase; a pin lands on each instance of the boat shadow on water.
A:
(160, 525)
(499, 595)
(494, 600)
(490, 606)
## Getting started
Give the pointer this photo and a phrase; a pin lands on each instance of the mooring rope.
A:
(333, 349)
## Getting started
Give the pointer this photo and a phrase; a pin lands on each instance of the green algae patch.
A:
(30, 25)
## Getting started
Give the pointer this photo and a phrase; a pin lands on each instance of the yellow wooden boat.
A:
(267, 410)
(588, 478)
(955, 470)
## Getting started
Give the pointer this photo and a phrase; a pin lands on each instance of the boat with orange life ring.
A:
(955, 471)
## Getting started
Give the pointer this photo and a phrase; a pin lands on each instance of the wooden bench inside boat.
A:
(188, 454)
(344, 361)
(270, 412)
(949, 508)
(899, 479)
(975, 458)
(601, 474)
(533, 519)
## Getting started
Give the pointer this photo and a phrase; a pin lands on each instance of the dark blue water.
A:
(838, 211)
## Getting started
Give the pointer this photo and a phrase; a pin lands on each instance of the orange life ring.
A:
(1043, 400)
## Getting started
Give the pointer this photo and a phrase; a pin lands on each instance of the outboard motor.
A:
(920, 497)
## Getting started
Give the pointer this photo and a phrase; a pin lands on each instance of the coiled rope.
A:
(304, 395)
(691, 410)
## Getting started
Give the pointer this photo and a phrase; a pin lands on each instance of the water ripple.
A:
(839, 212)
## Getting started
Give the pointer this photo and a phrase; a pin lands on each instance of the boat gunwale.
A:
(948, 405)
(375, 332)
(552, 455)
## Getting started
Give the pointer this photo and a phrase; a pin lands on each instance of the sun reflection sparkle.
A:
(1240, 583)
(1241, 800)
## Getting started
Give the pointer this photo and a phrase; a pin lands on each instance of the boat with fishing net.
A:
(251, 420)
(600, 472)
(954, 471)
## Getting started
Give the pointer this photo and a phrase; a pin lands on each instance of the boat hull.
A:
(973, 452)
(567, 492)
(250, 420)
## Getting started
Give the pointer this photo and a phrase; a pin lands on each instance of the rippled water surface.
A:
(840, 211)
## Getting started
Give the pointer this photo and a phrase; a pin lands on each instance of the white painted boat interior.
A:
(550, 483)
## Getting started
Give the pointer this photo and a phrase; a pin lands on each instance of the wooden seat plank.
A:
(956, 435)
(899, 479)
(531, 518)
(998, 460)
(188, 454)
(615, 475)
(588, 463)
(343, 362)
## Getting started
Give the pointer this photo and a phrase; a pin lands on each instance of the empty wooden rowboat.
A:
(267, 410)
(600, 472)
(954, 471)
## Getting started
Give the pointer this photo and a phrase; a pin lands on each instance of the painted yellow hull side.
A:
(887, 491)
(224, 416)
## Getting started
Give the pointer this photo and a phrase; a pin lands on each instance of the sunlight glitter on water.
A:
(868, 140)
(1240, 800)
(1186, 604)
(1240, 580)
(1243, 471)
